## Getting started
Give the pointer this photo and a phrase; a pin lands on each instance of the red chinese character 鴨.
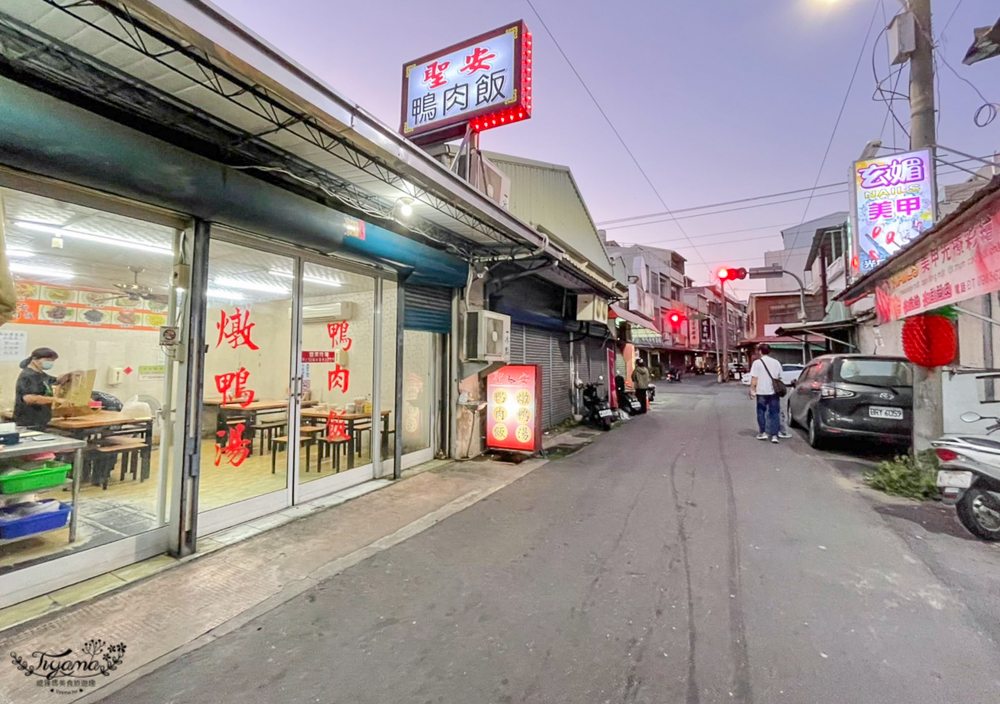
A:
(336, 427)
(235, 329)
(476, 61)
(232, 387)
(338, 335)
(236, 447)
(339, 378)
(434, 74)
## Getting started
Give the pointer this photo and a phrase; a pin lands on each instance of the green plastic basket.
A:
(53, 474)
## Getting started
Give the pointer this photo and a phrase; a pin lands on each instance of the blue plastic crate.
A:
(30, 525)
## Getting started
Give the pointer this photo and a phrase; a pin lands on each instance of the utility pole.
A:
(724, 372)
(928, 421)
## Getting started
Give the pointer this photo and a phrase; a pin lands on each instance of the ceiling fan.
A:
(134, 291)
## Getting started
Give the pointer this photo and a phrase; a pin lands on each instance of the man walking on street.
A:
(762, 375)
(640, 377)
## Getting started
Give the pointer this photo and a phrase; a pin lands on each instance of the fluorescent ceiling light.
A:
(225, 295)
(44, 271)
(230, 282)
(310, 279)
(19, 253)
(102, 239)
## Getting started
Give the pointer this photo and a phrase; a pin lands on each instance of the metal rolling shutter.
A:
(517, 344)
(427, 308)
(536, 351)
(561, 396)
(599, 359)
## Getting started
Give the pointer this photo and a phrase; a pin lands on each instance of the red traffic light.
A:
(676, 317)
(726, 274)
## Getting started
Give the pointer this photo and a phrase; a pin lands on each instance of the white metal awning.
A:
(631, 317)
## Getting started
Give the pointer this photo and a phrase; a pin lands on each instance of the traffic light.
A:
(675, 317)
(731, 274)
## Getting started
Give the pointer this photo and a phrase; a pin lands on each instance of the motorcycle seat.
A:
(979, 442)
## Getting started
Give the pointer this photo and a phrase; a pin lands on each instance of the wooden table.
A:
(97, 426)
(252, 412)
(350, 419)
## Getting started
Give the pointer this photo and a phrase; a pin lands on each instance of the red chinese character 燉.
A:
(338, 335)
(339, 378)
(476, 61)
(235, 329)
(232, 386)
(336, 427)
(434, 74)
(232, 445)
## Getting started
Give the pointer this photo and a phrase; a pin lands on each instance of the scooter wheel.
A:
(979, 512)
(605, 424)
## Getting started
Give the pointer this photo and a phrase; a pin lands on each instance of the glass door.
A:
(338, 375)
(248, 432)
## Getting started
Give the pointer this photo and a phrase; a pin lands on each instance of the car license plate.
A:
(604, 413)
(960, 480)
(883, 412)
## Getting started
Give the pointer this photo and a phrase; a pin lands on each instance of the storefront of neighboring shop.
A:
(218, 347)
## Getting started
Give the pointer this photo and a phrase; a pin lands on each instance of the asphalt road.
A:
(677, 559)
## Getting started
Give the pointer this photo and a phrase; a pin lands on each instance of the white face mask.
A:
(48, 364)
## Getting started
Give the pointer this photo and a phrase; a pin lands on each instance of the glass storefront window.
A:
(245, 427)
(338, 348)
(82, 359)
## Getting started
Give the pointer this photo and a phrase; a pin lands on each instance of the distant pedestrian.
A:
(641, 377)
(762, 375)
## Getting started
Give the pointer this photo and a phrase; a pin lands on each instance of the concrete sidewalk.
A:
(181, 609)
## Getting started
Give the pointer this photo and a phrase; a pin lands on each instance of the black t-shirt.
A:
(38, 384)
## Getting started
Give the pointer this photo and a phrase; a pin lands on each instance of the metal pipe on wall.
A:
(397, 468)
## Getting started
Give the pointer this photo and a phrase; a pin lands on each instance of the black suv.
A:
(856, 396)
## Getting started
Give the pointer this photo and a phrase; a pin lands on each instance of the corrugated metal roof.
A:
(548, 195)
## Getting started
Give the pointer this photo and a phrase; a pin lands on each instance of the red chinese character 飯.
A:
(476, 61)
(336, 427)
(232, 386)
(235, 329)
(235, 447)
(434, 74)
(339, 378)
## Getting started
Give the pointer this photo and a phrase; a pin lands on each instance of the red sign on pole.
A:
(514, 408)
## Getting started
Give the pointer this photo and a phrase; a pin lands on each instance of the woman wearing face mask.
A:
(34, 401)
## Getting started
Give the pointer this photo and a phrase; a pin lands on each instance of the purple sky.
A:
(719, 100)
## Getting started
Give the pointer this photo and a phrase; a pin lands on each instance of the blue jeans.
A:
(769, 414)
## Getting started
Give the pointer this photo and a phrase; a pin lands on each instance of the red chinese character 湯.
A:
(236, 448)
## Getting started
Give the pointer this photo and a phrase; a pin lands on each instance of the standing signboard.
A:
(481, 83)
(514, 408)
(893, 201)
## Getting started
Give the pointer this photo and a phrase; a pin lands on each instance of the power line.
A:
(726, 202)
(840, 114)
(712, 234)
(612, 126)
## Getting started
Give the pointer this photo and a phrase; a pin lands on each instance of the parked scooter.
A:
(596, 409)
(627, 400)
(970, 477)
(673, 376)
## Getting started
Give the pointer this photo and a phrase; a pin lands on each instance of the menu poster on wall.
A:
(513, 408)
(13, 345)
(41, 304)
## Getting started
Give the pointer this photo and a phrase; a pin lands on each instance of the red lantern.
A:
(929, 340)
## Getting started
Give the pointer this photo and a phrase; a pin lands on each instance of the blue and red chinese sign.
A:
(483, 83)
(894, 203)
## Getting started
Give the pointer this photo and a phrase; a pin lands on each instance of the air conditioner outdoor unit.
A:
(328, 312)
(487, 336)
(494, 182)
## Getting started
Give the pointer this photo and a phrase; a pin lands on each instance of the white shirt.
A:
(759, 372)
